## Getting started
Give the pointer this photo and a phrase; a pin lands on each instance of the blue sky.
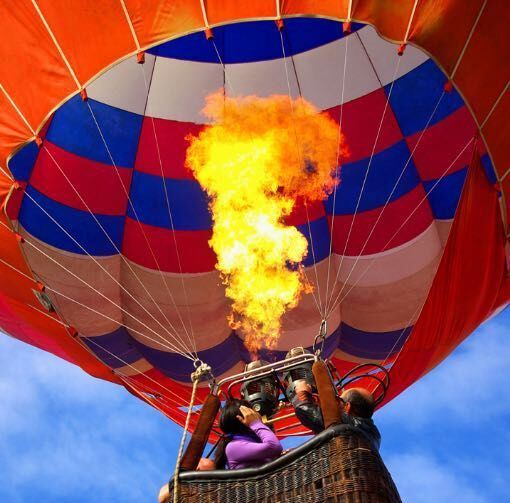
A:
(66, 437)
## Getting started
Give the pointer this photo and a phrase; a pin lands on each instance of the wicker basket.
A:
(336, 466)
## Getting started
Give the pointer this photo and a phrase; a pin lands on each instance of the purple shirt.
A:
(245, 452)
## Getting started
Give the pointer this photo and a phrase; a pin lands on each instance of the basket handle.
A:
(200, 435)
(328, 397)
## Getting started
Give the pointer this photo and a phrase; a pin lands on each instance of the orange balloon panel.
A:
(95, 33)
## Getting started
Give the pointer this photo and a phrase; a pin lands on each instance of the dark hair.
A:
(230, 425)
(361, 405)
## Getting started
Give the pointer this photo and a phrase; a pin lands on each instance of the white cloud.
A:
(471, 386)
(66, 435)
(423, 479)
(69, 437)
(446, 437)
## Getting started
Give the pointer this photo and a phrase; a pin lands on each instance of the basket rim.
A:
(281, 462)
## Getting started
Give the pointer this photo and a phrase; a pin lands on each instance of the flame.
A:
(258, 157)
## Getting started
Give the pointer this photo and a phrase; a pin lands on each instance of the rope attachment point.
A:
(202, 371)
(209, 35)
(318, 343)
(280, 24)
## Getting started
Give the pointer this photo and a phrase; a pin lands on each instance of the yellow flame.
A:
(257, 158)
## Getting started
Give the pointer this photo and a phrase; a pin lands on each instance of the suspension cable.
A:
(424, 198)
(298, 150)
(397, 66)
(179, 402)
(202, 370)
(163, 342)
(229, 83)
(340, 119)
(80, 340)
(170, 216)
(140, 226)
(388, 199)
(27, 194)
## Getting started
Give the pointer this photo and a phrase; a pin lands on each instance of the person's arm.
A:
(272, 446)
(206, 464)
(240, 452)
(307, 410)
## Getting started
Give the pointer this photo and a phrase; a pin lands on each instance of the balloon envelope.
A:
(116, 228)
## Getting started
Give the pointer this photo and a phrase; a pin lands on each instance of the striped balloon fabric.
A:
(115, 229)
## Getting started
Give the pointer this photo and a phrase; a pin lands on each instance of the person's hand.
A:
(205, 464)
(302, 386)
(249, 416)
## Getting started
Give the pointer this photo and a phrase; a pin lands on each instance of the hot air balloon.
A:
(105, 258)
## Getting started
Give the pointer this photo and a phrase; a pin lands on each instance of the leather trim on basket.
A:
(281, 462)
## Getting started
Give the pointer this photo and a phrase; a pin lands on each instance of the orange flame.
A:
(258, 157)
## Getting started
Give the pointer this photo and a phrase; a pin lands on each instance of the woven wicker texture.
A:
(343, 470)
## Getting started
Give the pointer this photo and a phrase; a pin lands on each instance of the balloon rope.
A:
(425, 197)
(496, 103)
(57, 45)
(379, 129)
(423, 131)
(133, 209)
(419, 308)
(129, 21)
(204, 13)
(144, 395)
(124, 259)
(196, 380)
(6, 174)
(170, 216)
(220, 60)
(178, 400)
(98, 264)
(116, 371)
(229, 83)
(162, 341)
(22, 116)
(412, 319)
(165, 343)
(468, 39)
(165, 389)
(151, 390)
(319, 301)
(18, 110)
(349, 11)
(14, 268)
(340, 119)
(410, 22)
(386, 203)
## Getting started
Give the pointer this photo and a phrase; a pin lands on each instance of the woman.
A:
(249, 442)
